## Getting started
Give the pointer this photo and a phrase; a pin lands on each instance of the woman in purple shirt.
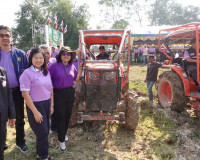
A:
(63, 74)
(36, 87)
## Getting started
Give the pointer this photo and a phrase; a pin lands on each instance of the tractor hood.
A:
(100, 66)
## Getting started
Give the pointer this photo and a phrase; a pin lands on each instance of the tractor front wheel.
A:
(171, 91)
(132, 111)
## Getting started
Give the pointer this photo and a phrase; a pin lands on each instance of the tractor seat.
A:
(183, 63)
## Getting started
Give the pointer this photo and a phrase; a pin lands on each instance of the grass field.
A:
(154, 138)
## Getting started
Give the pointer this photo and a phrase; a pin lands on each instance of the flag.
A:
(61, 25)
(49, 18)
(65, 30)
(56, 22)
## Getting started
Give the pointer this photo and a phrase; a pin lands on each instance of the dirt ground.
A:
(161, 134)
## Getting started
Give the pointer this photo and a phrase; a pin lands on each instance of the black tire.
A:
(132, 111)
(170, 91)
(74, 115)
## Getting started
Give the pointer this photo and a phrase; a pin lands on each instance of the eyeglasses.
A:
(5, 35)
(65, 54)
(38, 59)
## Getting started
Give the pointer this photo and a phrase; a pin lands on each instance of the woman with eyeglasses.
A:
(63, 74)
(36, 87)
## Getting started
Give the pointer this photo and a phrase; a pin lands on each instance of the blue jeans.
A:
(149, 87)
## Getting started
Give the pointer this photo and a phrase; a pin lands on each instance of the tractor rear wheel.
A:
(132, 112)
(171, 91)
(78, 98)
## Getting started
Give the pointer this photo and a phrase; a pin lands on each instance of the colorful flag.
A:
(61, 25)
(65, 30)
(49, 18)
(56, 22)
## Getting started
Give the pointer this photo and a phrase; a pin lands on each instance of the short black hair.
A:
(151, 57)
(6, 28)
(35, 51)
(193, 41)
(101, 47)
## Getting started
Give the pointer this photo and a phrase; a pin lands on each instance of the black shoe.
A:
(5, 147)
(38, 158)
(23, 148)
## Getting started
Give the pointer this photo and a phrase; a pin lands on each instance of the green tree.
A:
(29, 14)
(120, 24)
(35, 12)
(114, 10)
(76, 18)
(169, 12)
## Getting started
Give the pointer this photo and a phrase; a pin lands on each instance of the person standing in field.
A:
(151, 76)
(63, 74)
(36, 87)
(7, 109)
(14, 61)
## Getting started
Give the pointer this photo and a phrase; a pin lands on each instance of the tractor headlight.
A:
(110, 76)
(93, 76)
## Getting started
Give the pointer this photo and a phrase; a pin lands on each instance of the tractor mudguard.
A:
(182, 75)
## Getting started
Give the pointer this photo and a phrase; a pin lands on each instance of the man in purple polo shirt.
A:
(136, 54)
(49, 60)
(58, 48)
(54, 52)
(47, 51)
(14, 61)
(152, 50)
(141, 53)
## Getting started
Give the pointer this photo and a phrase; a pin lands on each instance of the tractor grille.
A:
(101, 90)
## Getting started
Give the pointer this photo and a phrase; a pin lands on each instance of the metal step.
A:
(195, 94)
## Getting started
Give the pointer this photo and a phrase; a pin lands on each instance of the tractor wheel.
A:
(74, 115)
(125, 93)
(132, 112)
(171, 91)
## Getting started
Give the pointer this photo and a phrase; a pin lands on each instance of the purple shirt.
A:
(62, 76)
(53, 54)
(38, 85)
(51, 61)
(28, 53)
(186, 54)
(58, 50)
(136, 50)
(141, 49)
(152, 50)
(7, 64)
(75, 63)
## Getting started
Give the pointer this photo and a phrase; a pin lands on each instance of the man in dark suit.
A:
(7, 109)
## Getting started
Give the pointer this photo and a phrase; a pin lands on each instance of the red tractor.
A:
(105, 82)
(176, 87)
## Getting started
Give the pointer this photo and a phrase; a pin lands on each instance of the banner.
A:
(53, 37)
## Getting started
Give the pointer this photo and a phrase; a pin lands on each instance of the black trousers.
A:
(2, 138)
(193, 72)
(19, 108)
(136, 58)
(63, 103)
(41, 130)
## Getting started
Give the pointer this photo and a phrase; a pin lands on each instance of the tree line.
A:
(117, 13)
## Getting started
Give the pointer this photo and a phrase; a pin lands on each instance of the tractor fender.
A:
(182, 75)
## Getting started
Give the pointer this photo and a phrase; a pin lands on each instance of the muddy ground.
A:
(161, 134)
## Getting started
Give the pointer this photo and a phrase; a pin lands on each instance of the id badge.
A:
(4, 83)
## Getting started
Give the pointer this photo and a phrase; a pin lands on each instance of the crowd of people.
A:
(140, 54)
